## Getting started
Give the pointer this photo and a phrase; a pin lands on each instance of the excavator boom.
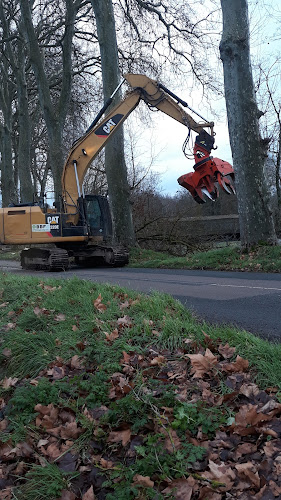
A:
(155, 95)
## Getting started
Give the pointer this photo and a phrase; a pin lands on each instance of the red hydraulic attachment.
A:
(209, 172)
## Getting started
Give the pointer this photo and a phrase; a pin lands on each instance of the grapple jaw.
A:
(209, 173)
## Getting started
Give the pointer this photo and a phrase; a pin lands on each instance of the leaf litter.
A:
(187, 423)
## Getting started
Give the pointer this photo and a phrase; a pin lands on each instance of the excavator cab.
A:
(98, 217)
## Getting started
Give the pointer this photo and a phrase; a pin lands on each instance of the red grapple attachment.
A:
(209, 172)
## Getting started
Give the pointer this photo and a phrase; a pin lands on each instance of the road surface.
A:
(251, 301)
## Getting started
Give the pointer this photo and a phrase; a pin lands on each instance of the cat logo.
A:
(53, 221)
(105, 129)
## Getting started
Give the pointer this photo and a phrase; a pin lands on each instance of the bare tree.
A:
(55, 112)
(115, 166)
(248, 148)
(7, 95)
(270, 101)
(13, 51)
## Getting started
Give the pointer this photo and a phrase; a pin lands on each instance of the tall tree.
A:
(115, 165)
(248, 148)
(7, 94)
(55, 112)
(13, 51)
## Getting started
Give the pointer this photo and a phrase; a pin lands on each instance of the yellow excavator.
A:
(80, 225)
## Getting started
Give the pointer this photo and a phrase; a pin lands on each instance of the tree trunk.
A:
(115, 166)
(256, 219)
(54, 113)
(24, 157)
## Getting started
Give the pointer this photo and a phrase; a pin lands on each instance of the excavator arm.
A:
(208, 171)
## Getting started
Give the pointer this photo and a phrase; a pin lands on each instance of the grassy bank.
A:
(110, 394)
(262, 259)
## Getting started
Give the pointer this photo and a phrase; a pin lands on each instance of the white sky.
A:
(265, 19)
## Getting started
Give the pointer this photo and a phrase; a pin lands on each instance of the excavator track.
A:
(120, 256)
(47, 259)
(99, 255)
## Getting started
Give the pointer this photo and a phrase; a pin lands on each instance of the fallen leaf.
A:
(110, 337)
(89, 495)
(71, 430)
(124, 305)
(180, 488)
(8, 382)
(239, 365)
(67, 495)
(106, 464)
(126, 321)
(38, 311)
(98, 304)
(76, 362)
(117, 436)
(7, 353)
(158, 360)
(226, 351)
(59, 317)
(202, 364)
(144, 481)
(248, 471)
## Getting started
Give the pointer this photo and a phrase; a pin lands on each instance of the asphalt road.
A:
(251, 301)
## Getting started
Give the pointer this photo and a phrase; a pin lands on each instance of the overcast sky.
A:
(168, 135)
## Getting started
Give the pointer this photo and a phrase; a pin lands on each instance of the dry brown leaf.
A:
(53, 451)
(226, 351)
(144, 481)
(110, 337)
(59, 317)
(42, 442)
(67, 495)
(76, 362)
(3, 425)
(98, 304)
(89, 495)
(70, 430)
(248, 471)
(126, 321)
(249, 390)
(9, 326)
(124, 305)
(106, 464)
(207, 492)
(158, 360)
(126, 358)
(117, 436)
(74, 328)
(180, 488)
(6, 494)
(202, 364)
(8, 382)
(7, 353)
(239, 365)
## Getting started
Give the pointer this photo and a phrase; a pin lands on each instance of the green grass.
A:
(70, 327)
(262, 258)
(36, 341)
(11, 255)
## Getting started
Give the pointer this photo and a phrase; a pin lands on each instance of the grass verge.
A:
(261, 259)
(112, 393)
